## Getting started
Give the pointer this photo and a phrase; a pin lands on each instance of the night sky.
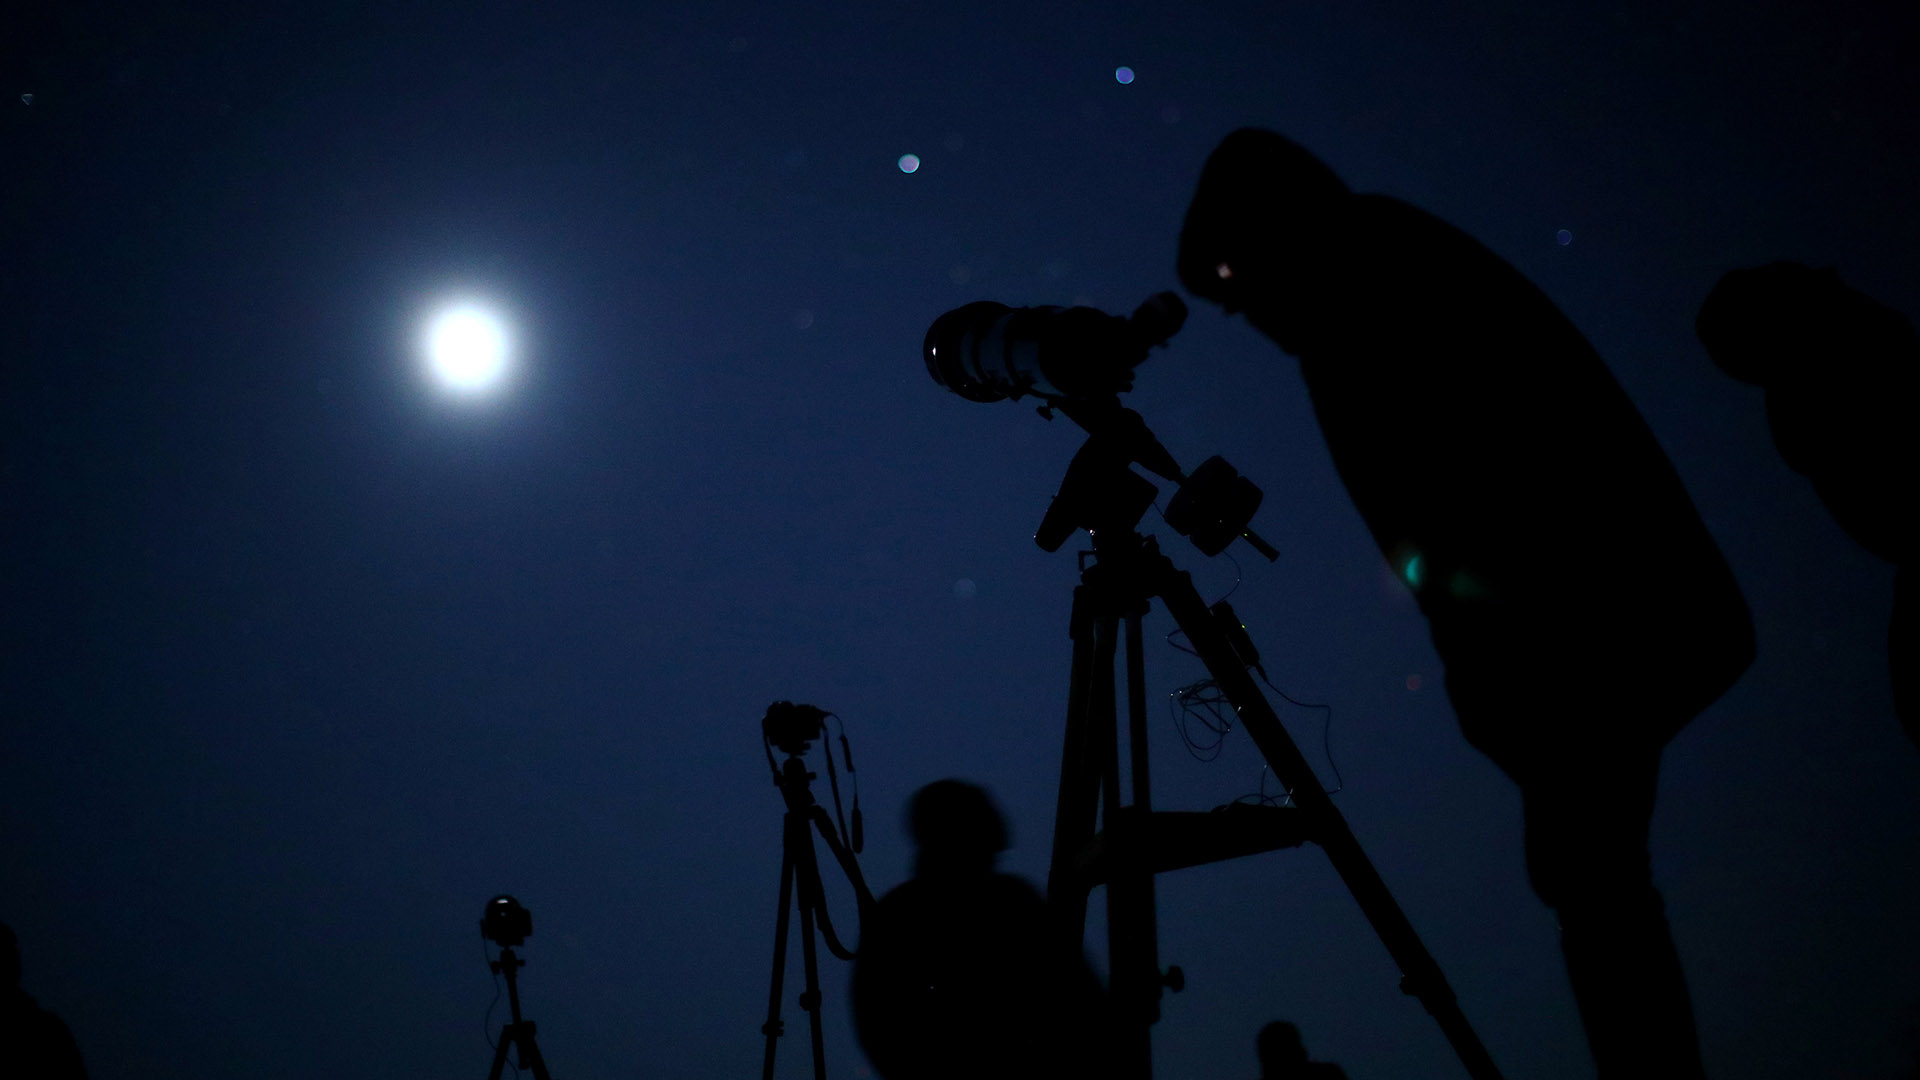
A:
(304, 657)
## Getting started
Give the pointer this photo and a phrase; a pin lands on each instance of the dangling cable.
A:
(856, 840)
(487, 1024)
(833, 780)
(1326, 731)
(1204, 704)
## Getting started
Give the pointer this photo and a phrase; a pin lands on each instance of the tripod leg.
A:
(1132, 933)
(1420, 974)
(500, 1052)
(1076, 811)
(810, 897)
(772, 1028)
(530, 1058)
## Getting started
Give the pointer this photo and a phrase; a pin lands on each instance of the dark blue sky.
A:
(302, 661)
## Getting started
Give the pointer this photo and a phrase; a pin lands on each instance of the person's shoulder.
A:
(1014, 890)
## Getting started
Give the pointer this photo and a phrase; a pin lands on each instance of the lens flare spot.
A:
(1123, 75)
(909, 163)
(1413, 681)
(965, 589)
(1466, 587)
(1415, 572)
(1563, 237)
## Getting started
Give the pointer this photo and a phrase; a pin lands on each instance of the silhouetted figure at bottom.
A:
(957, 973)
(1584, 613)
(34, 1043)
(1842, 376)
(1284, 1057)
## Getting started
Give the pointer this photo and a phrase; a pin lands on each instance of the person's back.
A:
(1842, 379)
(1499, 466)
(1841, 373)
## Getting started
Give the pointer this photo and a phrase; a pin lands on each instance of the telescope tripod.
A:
(517, 1031)
(800, 871)
(1134, 842)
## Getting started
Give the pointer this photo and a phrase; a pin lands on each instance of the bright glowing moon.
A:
(467, 348)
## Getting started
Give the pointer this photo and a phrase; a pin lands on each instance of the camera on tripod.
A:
(792, 728)
(505, 923)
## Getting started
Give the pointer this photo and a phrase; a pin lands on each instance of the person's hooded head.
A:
(956, 828)
(1280, 1049)
(1759, 320)
(1260, 223)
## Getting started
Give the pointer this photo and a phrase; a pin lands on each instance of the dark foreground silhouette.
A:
(1582, 610)
(958, 974)
(34, 1043)
(1284, 1057)
(1842, 376)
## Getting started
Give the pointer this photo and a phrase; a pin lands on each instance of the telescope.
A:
(987, 351)
(1078, 361)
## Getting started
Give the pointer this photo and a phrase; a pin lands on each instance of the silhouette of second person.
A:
(1284, 1057)
(1841, 373)
(34, 1043)
(957, 974)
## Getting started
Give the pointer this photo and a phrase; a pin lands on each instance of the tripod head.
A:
(505, 923)
(792, 729)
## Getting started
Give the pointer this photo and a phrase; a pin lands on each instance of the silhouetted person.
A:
(1582, 610)
(1284, 1057)
(34, 1043)
(957, 973)
(1842, 376)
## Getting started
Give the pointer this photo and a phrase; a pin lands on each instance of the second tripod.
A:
(506, 924)
(791, 728)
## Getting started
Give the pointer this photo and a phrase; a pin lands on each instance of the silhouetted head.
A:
(1280, 1049)
(1757, 321)
(956, 828)
(9, 957)
(1264, 210)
